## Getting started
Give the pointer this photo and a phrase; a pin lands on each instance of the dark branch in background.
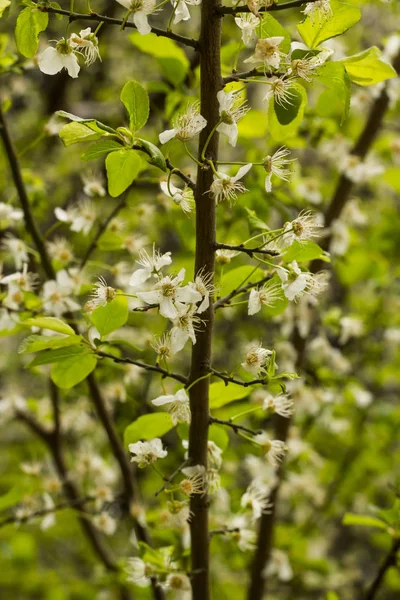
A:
(102, 228)
(142, 365)
(74, 16)
(46, 511)
(339, 199)
(180, 174)
(31, 226)
(248, 251)
(53, 438)
(225, 301)
(390, 561)
(247, 75)
(236, 428)
(227, 10)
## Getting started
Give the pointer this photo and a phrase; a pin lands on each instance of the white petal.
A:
(254, 303)
(150, 297)
(141, 22)
(178, 339)
(167, 135)
(70, 62)
(268, 184)
(167, 308)
(242, 172)
(161, 400)
(61, 215)
(231, 132)
(50, 61)
(188, 295)
(125, 3)
(139, 277)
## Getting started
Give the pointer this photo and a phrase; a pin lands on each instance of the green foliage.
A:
(334, 76)
(148, 427)
(97, 149)
(363, 521)
(111, 316)
(74, 369)
(4, 4)
(367, 68)
(222, 394)
(171, 58)
(51, 323)
(304, 252)
(270, 27)
(37, 343)
(122, 168)
(284, 120)
(136, 101)
(344, 17)
(30, 23)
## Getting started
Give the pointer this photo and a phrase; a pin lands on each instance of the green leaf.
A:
(315, 32)
(367, 68)
(332, 596)
(50, 323)
(3, 5)
(285, 120)
(73, 370)
(136, 101)
(334, 76)
(30, 23)
(171, 58)
(255, 222)
(49, 357)
(93, 124)
(156, 157)
(112, 316)
(304, 252)
(99, 148)
(363, 521)
(234, 279)
(270, 27)
(75, 133)
(148, 427)
(36, 343)
(122, 168)
(12, 497)
(221, 394)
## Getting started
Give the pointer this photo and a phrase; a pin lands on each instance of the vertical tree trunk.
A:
(211, 83)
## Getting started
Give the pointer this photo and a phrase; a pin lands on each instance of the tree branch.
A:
(45, 511)
(390, 561)
(227, 10)
(225, 301)
(248, 251)
(181, 175)
(228, 379)
(236, 428)
(74, 16)
(145, 366)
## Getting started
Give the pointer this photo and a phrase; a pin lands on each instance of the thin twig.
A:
(171, 477)
(247, 75)
(225, 301)
(248, 251)
(79, 502)
(224, 531)
(236, 428)
(229, 379)
(142, 365)
(181, 175)
(102, 228)
(390, 561)
(74, 16)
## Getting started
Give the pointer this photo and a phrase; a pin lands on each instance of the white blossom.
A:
(279, 165)
(9, 213)
(167, 291)
(255, 360)
(184, 327)
(93, 185)
(267, 295)
(231, 110)
(101, 295)
(54, 60)
(350, 327)
(304, 227)
(281, 404)
(267, 53)
(228, 188)
(151, 265)
(140, 9)
(17, 249)
(183, 198)
(186, 125)
(105, 523)
(178, 406)
(57, 295)
(248, 23)
(60, 249)
(275, 450)
(181, 9)
(256, 497)
(81, 216)
(138, 572)
(195, 481)
(279, 565)
(146, 453)
(319, 11)
(86, 44)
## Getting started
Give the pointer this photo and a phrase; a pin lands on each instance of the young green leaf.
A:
(51, 323)
(304, 252)
(3, 5)
(49, 357)
(99, 148)
(270, 27)
(71, 371)
(154, 155)
(314, 32)
(75, 133)
(221, 394)
(367, 68)
(30, 23)
(148, 427)
(112, 316)
(36, 343)
(363, 521)
(122, 168)
(284, 120)
(136, 101)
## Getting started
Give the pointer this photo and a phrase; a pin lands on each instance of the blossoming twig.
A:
(228, 10)
(73, 16)
(225, 301)
(236, 428)
(249, 251)
(171, 477)
(79, 502)
(229, 379)
(181, 175)
(145, 366)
